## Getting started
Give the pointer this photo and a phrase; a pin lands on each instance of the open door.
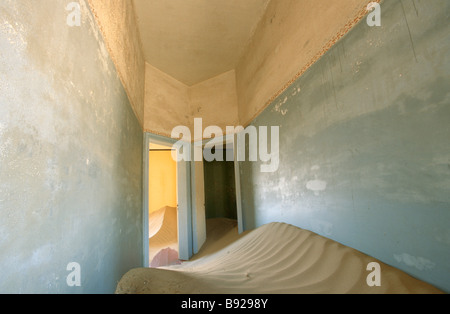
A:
(185, 204)
(237, 177)
(184, 211)
(198, 199)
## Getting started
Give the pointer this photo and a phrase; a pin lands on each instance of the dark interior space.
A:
(220, 191)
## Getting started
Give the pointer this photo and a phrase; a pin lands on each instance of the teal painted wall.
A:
(364, 144)
(70, 155)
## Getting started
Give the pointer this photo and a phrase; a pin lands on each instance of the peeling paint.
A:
(417, 262)
(262, 76)
(322, 227)
(376, 164)
(316, 186)
(278, 107)
(70, 154)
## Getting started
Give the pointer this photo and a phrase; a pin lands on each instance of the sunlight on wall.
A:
(162, 179)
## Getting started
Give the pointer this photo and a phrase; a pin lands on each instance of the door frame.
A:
(184, 210)
(231, 140)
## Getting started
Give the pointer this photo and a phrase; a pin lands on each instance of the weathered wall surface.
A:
(215, 101)
(364, 144)
(196, 40)
(166, 102)
(170, 103)
(70, 155)
(118, 25)
(291, 36)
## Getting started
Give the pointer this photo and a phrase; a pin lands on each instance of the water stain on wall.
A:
(365, 141)
(70, 155)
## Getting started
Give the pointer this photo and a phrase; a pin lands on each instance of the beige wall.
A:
(166, 102)
(170, 103)
(117, 22)
(291, 36)
(215, 101)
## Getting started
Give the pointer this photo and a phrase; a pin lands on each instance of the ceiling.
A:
(194, 40)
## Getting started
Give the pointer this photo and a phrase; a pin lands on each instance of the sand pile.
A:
(275, 258)
(163, 237)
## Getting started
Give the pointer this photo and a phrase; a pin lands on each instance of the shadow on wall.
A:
(247, 175)
(220, 189)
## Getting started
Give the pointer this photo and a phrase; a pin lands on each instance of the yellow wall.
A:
(162, 180)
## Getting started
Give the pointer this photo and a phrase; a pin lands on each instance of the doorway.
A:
(190, 209)
(169, 211)
(162, 206)
(222, 182)
(220, 189)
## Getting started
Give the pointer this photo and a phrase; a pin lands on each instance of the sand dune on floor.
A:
(163, 231)
(276, 258)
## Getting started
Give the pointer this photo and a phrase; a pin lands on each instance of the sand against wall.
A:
(274, 259)
(163, 236)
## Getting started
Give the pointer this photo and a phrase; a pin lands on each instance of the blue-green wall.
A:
(70, 155)
(365, 144)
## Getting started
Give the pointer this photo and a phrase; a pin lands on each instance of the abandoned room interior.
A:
(224, 146)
